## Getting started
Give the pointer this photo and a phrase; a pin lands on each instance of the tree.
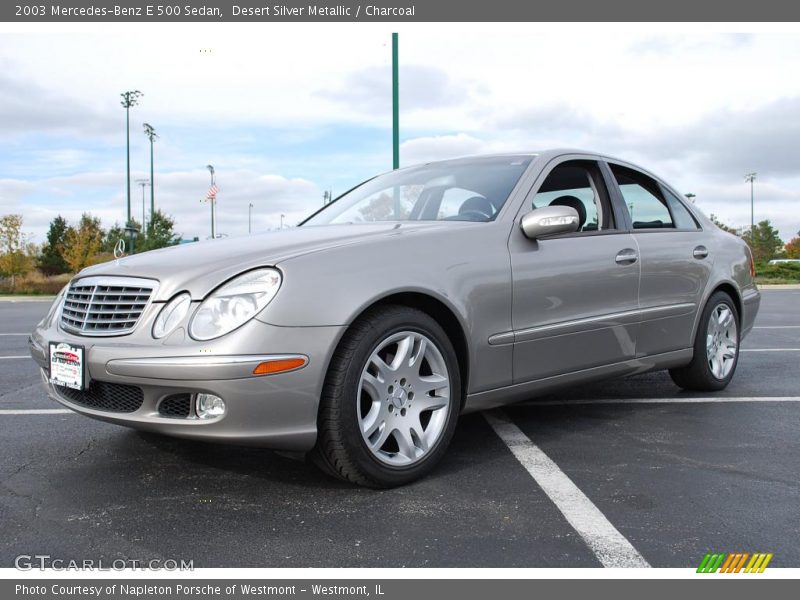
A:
(721, 225)
(83, 243)
(792, 248)
(160, 233)
(114, 234)
(764, 241)
(51, 260)
(15, 258)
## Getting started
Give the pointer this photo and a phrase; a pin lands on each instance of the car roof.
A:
(545, 153)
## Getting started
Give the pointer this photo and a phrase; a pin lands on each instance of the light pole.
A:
(751, 177)
(395, 104)
(144, 183)
(396, 120)
(152, 136)
(250, 218)
(212, 196)
(282, 218)
(130, 98)
(690, 197)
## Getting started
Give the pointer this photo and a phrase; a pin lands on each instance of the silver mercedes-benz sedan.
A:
(362, 334)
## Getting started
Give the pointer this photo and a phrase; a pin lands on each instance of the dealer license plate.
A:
(66, 365)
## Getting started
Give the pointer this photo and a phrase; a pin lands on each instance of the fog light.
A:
(209, 406)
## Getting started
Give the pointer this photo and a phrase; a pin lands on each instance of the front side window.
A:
(577, 184)
(643, 197)
(462, 190)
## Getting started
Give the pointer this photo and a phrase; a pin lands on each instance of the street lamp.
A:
(132, 233)
(152, 136)
(130, 98)
(282, 218)
(690, 197)
(250, 218)
(751, 177)
(144, 183)
(212, 196)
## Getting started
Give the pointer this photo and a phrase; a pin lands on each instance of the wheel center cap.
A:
(399, 396)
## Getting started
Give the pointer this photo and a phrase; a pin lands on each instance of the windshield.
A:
(463, 190)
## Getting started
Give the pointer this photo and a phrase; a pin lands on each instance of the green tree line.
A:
(764, 241)
(68, 248)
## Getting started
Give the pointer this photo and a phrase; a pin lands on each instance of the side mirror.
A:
(549, 220)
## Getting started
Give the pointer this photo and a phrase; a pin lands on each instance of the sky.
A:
(287, 111)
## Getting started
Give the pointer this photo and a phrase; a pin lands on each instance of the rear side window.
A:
(644, 199)
(680, 214)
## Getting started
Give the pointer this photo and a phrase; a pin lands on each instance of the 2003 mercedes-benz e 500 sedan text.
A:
(360, 335)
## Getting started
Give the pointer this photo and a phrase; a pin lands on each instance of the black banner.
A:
(398, 11)
(392, 589)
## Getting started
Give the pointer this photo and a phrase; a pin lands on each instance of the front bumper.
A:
(277, 411)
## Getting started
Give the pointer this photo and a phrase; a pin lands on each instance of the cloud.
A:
(28, 108)
(425, 149)
(421, 87)
(179, 194)
(728, 143)
(670, 44)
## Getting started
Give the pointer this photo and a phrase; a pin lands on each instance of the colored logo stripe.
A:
(734, 562)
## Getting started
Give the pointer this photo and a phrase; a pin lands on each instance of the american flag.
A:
(212, 192)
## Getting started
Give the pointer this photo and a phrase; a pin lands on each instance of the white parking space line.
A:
(777, 327)
(14, 357)
(701, 400)
(610, 547)
(769, 350)
(37, 411)
(13, 334)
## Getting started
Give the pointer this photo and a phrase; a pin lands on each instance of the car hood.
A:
(199, 267)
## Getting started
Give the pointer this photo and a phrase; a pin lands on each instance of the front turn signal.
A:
(279, 365)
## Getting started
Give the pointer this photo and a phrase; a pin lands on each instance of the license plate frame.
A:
(67, 365)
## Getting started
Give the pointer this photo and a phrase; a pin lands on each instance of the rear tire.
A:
(716, 348)
(390, 401)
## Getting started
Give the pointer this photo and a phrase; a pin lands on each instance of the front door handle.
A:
(627, 256)
(700, 252)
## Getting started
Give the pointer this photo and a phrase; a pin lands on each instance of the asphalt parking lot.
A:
(674, 478)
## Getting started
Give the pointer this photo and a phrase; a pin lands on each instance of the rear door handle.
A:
(627, 256)
(700, 252)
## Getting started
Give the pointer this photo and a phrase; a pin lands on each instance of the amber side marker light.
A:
(279, 365)
(752, 262)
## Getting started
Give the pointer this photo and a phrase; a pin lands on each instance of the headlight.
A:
(235, 303)
(171, 315)
(54, 308)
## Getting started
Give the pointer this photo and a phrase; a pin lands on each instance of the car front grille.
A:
(110, 397)
(178, 406)
(105, 306)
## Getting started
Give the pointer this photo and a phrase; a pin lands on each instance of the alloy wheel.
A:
(722, 341)
(404, 396)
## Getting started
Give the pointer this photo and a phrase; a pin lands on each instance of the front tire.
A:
(716, 348)
(390, 401)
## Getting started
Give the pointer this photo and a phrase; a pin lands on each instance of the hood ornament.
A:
(119, 249)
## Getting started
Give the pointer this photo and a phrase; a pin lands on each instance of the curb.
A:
(779, 286)
(27, 298)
